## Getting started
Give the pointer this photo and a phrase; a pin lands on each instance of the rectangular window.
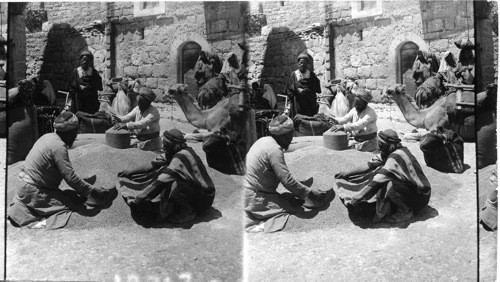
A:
(149, 8)
(362, 9)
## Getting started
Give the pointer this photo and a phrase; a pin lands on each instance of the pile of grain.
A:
(322, 164)
(105, 162)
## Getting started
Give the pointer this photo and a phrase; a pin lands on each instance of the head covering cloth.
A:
(65, 122)
(303, 55)
(86, 53)
(390, 138)
(363, 94)
(147, 93)
(280, 125)
(174, 136)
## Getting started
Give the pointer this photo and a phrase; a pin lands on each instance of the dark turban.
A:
(174, 136)
(303, 55)
(389, 137)
(86, 53)
(147, 93)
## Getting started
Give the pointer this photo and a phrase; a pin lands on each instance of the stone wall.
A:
(149, 47)
(54, 52)
(75, 14)
(365, 49)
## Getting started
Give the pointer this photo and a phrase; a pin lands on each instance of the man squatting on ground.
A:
(394, 178)
(265, 170)
(181, 186)
(46, 165)
(144, 121)
(360, 123)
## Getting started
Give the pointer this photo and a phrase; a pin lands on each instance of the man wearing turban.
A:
(360, 123)
(393, 179)
(174, 187)
(143, 121)
(266, 168)
(46, 165)
(302, 87)
(83, 85)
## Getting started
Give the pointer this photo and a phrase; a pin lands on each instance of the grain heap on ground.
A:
(105, 162)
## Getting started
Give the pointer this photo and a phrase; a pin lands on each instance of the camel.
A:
(212, 92)
(212, 119)
(225, 114)
(430, 91)
(444, 112)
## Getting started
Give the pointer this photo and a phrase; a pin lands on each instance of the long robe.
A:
(304, 103)
(400, 175)
(85, 100)
(185, 169)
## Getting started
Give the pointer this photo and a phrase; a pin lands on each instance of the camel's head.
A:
(394, 91)
(178, 89)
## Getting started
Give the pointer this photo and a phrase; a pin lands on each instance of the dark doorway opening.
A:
(189, 56)
(407, 56)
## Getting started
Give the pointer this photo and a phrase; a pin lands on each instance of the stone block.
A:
(163, 84)
(160, 70)
(379, 71)
(145, 70)
(350, 72)
(364, 71)
(136, 59)
(355, 60)
(151, 82)
(371, 83)
(130, 71)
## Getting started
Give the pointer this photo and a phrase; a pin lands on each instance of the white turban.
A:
(280, 125)
(66, 121)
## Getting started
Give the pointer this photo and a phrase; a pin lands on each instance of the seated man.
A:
(144, 121)
(394, 177)
(46, 165)
(175, 185)
(360, 123)
(265, 170)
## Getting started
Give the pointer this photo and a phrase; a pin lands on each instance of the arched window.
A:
(407, 56)
(189, 56)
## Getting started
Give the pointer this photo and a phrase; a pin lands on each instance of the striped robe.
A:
(185, 168)
(400, 173)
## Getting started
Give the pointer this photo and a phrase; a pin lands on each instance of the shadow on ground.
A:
(362, 216)
(147, 219)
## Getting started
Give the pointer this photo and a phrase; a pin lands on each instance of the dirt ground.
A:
(110, 245)
(439, 244)
(3, 159)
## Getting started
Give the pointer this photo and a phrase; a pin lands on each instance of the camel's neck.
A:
(412, 115)
(193, 115)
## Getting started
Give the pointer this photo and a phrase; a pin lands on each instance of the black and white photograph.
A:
(249, 140)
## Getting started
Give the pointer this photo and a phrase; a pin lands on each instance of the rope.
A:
(467, 16)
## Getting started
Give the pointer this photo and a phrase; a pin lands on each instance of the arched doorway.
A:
(188, 56)
(407, 55)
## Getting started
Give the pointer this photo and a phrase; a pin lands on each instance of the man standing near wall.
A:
(302, 88)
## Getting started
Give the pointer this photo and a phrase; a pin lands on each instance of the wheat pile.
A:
(105, 162)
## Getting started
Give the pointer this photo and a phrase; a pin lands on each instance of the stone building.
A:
(374, 42)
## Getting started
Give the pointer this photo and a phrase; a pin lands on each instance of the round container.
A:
(119, 139)
(335, 140)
